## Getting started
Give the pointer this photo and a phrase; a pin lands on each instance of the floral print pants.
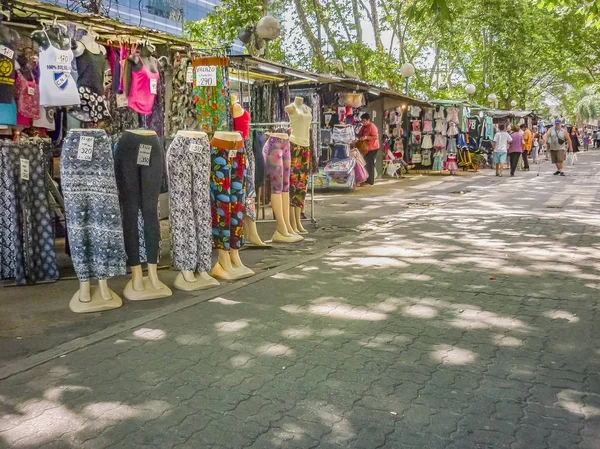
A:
(188, 164)
(228, 197)
(299, 176)
(277, 159)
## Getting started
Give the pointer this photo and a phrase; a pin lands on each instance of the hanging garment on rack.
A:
(451, 148)
(439, 126)
(437, 161)
(57, 85)
(416, 125)
(182, 108)
(300, 169)
(415, 137)
(188, 165)
(139, 163)
(26, 231)
(415, 111)
(28, 97)
(250, 205)
(452, 115)
(278, 163)
(428, 114)
(90, 84)
(343, 134)
(452, 129)
(452, 166)
(92, 208)
(258, 143)
(427, 126)
(439, 142)
(426, 158)
(143, 89)
(227, 193)
(439, 113)
(427, 144)
(212, 103)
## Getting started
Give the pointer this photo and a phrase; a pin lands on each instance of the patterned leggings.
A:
(277, 158)
(188, 164)
(250, 206)
(228, 197)
(299, 176)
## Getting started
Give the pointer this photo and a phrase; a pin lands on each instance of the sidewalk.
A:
(464, 316)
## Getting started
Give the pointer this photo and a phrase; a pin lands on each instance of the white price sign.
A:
(232, 154)
(195, 148)
(153, 86)
(121, 101)
(206, 75)
(5, 51)
(189, 75)
(144, 155)
(30, 91)
(85, 148)
(25, 169)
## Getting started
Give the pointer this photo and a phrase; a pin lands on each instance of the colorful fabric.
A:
(212, 104)
(93, 107)
(300, 169)
(28, 97)
(188, 162)
(250, 206)
(278, 163)
(228, 197)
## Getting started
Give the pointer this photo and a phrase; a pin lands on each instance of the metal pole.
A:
(406, 90)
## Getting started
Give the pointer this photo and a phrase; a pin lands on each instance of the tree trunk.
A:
(376, 25)
(359, 36)
(310, 36)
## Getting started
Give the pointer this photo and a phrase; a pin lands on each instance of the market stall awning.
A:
(246, 68)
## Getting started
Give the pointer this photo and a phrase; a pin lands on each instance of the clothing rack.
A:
(316, 125)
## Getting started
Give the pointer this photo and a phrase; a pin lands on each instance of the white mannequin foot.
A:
(292, 238)
(99, 300)
(200, 282)
(142, 288)
(238, 266)
(251, 233)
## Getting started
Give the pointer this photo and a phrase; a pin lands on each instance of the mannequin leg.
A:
(137, 278)
(238, 265)
(297, 213)
(104, 290)
(189, 276)
(278, 211)
(251, 233)
(84, 292)
(285, 199)
(153, 276)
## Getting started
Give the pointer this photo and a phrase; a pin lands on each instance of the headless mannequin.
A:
(88, 42)
(298, 107)
(24, 68)
(280, 202)
(229, 265)
(91, 298)
(144, 57)
(56, 36)
(250, 230)
(188, 280)
(140, 287)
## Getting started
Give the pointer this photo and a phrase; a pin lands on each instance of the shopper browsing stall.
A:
(370, 134)
(501, 141)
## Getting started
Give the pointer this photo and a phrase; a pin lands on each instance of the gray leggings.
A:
(139, 187)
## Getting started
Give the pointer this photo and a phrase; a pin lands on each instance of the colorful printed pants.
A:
(26, 231)
(277, 158)
(92, 208)
(188, 164)
(299, 176)
(228, 197)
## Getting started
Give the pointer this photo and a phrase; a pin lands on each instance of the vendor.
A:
(370, 133)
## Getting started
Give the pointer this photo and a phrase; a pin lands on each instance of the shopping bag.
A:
(570, 158)
(360, 173)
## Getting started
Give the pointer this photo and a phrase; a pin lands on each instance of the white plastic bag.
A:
(571, 158)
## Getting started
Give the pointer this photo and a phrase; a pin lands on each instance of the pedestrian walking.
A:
(527, 144)
(586, 141)
(596, 139)
(558, 141)
(369, 133)
(536, 147)
(515, 149)
(574, 133)
(501, 141)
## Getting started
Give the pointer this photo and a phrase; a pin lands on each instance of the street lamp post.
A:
(407, 70)
(493, 99)
(470, 89)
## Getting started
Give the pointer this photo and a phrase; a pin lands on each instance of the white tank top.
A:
(57, 86)
(300, 123)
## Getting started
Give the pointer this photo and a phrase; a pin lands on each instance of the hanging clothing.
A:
(26, 223)
(300, 169)
(427, 126)
(8, 113)
(90, 71)
(277, 158)
(28, 97)
(7, 68)
(427, 144)
(57, 86)
(437, 162)
(138, 169)
(242, 124)
(188, 164)
(183, 106)
(143, 88)
(213, 106)
(452, 115)
(92, 207)
(250, 206)
(227, 193)
(452, 166)
(258, 143)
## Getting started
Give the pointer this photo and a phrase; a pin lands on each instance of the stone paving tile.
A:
(470, 324)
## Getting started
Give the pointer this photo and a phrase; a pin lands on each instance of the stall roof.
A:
(502, 113)
(255, 69)
(29, 13)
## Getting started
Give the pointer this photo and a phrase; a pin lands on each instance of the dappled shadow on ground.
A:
(471, 326)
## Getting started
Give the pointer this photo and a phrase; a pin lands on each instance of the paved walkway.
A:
(459, 320)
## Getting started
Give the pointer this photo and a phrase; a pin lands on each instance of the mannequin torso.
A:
(300, 119)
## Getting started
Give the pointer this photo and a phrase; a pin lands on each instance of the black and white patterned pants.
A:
(188, 164)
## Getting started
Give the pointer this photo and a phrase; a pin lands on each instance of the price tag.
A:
(30, 91)
(5, 51)
(144, 155)
(232, 154)
(85, 148)
(189, 75)
(195, 148)
(206, 75)
(62, 59)
(153, 86)
(25, 169)
(121, 101)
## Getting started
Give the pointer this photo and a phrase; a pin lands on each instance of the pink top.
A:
(242, 124)
(28, 97)
(144, 86)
